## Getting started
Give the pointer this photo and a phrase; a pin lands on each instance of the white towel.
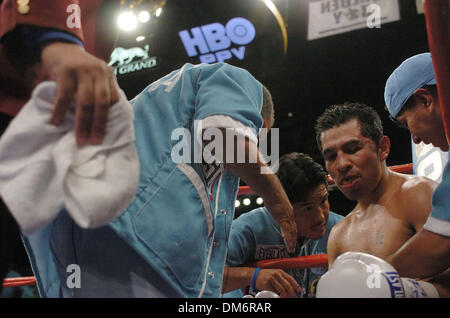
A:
(42, 169)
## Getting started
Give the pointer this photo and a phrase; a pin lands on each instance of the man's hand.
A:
(275, 280)
(90, 79)
(283, 213)
(278, 281)
(275, 199)
(266, 185)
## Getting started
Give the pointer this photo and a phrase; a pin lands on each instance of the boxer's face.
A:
(311, 215)
(352, 160)
(423, 120)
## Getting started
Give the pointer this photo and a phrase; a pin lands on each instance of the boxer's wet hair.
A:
(267, 110)
(299, 174)
(336, 115)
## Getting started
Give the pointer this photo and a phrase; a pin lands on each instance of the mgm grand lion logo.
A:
(131, 60)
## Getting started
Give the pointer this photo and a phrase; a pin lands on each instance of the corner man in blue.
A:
(412, 96)
(171, 241)
(256, 236)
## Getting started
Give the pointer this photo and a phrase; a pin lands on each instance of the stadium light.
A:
(127, 21)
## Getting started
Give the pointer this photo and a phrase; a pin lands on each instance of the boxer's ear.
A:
(423, 97)
(384, 146)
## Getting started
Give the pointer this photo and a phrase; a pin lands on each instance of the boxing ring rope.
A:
(298, 262)
(19, 281)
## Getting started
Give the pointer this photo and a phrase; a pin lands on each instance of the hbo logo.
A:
(213, 41)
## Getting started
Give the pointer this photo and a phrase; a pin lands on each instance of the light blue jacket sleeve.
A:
(229, 91)
(439, 219)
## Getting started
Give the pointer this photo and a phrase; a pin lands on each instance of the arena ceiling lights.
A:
(138, 11)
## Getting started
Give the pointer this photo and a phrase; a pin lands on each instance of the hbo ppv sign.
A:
(213, 42)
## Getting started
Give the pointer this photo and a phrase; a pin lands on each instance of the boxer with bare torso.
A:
(391, 207)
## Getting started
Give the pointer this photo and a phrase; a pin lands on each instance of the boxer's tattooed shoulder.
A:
(379, 238)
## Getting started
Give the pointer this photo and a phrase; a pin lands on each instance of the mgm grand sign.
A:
(131, 60)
